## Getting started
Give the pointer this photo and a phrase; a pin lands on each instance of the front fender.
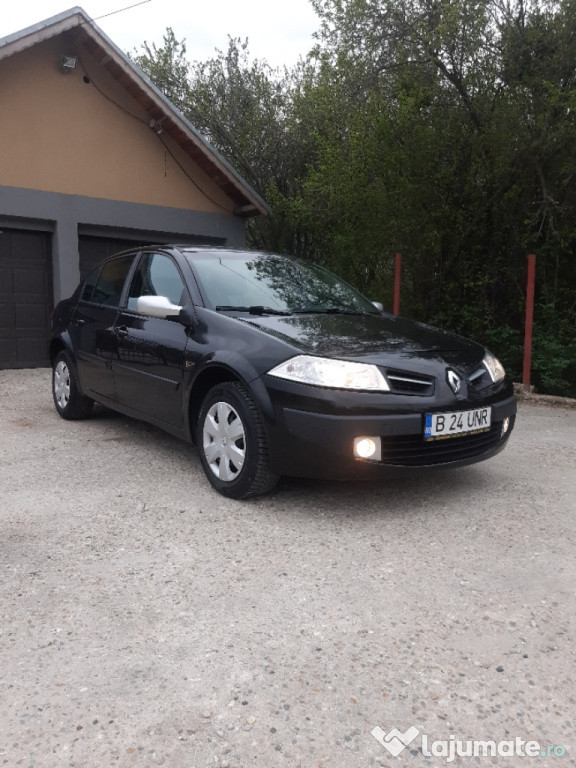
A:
(224, 365)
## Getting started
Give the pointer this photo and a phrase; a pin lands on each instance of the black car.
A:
(273, 366)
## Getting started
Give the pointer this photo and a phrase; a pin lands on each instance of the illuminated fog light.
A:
(505, 426)
(367, 448)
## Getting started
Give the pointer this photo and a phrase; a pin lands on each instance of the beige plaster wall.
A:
(59, 133)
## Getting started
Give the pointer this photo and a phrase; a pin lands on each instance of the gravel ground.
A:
(145, 620)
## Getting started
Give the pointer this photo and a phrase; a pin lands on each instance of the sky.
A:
(278, 31)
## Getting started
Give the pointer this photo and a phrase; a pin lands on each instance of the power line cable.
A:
(113, 13)
(159, 136)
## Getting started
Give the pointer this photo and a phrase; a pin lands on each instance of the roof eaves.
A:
(44, 30)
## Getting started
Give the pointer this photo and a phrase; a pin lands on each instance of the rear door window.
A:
(109, 285)
(89, 284)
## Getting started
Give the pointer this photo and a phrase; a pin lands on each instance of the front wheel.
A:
(232, 442)
(69, 401)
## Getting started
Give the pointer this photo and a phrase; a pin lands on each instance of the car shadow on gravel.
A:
(407, 490)
(393, 494)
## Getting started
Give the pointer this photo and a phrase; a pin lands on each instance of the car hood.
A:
(373, 338)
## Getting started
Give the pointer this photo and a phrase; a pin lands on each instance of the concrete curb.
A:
(553, 401)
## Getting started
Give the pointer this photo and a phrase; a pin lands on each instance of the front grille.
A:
(409, 383)
(414, 451)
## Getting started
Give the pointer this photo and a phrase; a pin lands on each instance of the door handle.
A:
(122, 331)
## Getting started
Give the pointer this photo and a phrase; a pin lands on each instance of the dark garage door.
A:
(25, 298)
(94, 249)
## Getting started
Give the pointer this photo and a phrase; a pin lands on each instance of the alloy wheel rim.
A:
(224, 441)
(62, 384)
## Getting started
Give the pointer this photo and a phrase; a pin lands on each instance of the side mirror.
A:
(158, 306)
(379, 307)
(187, 317)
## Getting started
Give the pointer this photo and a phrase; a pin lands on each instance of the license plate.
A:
(439, 426)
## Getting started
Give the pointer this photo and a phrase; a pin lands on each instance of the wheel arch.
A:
(217, 373)
(57, 345)
(203, 383)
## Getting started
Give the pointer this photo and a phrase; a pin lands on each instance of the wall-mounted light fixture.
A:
(156, 127)
(68, 63)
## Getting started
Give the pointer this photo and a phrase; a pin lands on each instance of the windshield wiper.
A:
(253, 310)
(328, 311)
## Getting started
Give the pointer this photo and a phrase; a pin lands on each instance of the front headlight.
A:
(494, 367)
(336, 374)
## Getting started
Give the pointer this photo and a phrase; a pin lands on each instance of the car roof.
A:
(186, 250)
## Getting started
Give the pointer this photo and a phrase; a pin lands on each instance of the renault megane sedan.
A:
(273, 366)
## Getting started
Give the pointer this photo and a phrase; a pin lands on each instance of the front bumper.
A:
(318, 444)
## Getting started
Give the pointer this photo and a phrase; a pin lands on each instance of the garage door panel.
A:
(30, 316)
(31, 282)
(25, 298)
(31, 349)
(6, 317)
(93, 250)
(5, 279)
(7, 349)
(25, 241)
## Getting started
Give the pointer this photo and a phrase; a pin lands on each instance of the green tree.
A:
(439, 128)
(476, 119)
(167, 67)
(243, 107)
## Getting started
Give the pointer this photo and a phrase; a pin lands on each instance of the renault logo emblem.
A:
(455, 381)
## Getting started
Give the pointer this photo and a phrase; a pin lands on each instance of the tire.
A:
(69, 401)
(232, 443)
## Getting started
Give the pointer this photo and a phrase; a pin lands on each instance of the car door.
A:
(148, 372)
(92, 327)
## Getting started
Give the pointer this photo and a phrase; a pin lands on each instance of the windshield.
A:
(263, 283)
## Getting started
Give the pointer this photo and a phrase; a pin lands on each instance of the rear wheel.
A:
(232, 442)
(69, 401)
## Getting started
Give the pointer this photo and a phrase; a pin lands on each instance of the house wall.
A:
(62, 134)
